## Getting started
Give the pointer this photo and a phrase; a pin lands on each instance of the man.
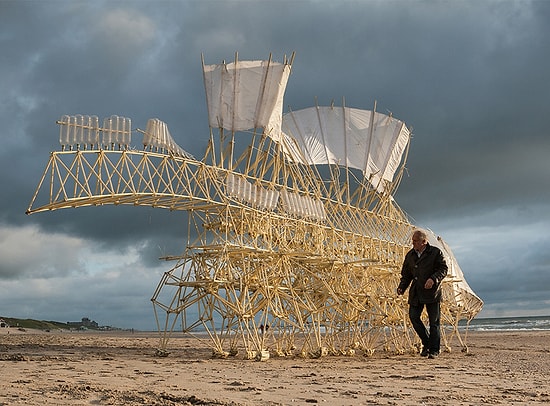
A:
(425, 267)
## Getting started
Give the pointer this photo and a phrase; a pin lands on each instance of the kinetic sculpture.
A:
(295, 242)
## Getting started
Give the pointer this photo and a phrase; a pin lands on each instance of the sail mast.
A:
(344, 124)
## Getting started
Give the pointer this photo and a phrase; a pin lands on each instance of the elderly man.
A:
(425, 267)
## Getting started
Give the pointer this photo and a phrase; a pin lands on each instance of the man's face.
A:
(418, 242)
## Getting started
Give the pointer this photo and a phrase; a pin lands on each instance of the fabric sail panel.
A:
(343, 136)
(246, 94)
(463, 295)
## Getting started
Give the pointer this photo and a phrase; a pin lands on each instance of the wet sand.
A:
(121, 368)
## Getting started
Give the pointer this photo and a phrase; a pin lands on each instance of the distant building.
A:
(3, 323)
(85, 323)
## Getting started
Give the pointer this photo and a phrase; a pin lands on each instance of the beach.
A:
(121, 368)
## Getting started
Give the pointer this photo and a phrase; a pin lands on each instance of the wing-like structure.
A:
(366, 140)
(157, 136)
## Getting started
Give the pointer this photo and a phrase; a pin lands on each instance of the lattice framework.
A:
(257, 280)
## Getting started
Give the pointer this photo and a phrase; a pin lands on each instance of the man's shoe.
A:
(425, 352)
(433, 354)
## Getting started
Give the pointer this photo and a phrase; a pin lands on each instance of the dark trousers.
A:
(430, 340)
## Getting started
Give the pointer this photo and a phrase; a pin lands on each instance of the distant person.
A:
(425, 267)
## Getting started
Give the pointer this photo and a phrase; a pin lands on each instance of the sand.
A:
(107, 368)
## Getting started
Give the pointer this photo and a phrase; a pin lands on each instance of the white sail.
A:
(246, 94)
(460, 293)
(349, 137)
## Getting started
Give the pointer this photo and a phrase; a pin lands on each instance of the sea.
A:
(533, 323)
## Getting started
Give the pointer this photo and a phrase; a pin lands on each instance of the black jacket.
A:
(431, 264)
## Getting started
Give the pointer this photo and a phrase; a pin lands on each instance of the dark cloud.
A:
(468, 77)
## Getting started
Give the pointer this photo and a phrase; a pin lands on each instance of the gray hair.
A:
(421, 233)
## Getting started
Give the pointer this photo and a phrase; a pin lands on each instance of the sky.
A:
(470, 78)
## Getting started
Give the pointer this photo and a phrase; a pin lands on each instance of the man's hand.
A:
(429, 283)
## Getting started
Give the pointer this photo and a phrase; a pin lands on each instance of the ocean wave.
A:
(538, 323)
